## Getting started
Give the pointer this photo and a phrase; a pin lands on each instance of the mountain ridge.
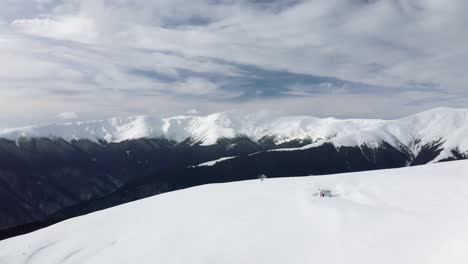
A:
(446, 125)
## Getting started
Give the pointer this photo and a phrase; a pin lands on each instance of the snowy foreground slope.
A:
(410, 215)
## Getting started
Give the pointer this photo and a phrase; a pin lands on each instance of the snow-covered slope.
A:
(449, 126)
(212, 162)
(410, 215)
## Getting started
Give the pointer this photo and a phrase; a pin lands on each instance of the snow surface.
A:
(405, 216)
(450, 126)
(213, 162)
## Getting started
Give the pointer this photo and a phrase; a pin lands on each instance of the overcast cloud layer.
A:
(86, 59)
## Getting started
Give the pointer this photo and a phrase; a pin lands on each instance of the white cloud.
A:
(193, 112)
(68, 115)
(195, 86)
(67, 28)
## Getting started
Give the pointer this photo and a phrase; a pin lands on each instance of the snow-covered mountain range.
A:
(55, 172)
(410, 215)
(447, 126)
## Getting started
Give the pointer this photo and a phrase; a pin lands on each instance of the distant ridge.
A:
(448, 126)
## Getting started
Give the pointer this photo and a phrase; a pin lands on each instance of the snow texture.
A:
(409, 215)
(446, 125)
(212, 162)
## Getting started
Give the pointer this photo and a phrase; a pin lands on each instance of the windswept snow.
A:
(410, 215)
(212, 162)
(449, 126)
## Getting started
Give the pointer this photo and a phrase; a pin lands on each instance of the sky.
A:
(65, 60)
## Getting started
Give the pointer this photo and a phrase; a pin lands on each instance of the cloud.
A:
(195, 86)
(153, 57)
(193, 112)
(66, 28)
(68, 115)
